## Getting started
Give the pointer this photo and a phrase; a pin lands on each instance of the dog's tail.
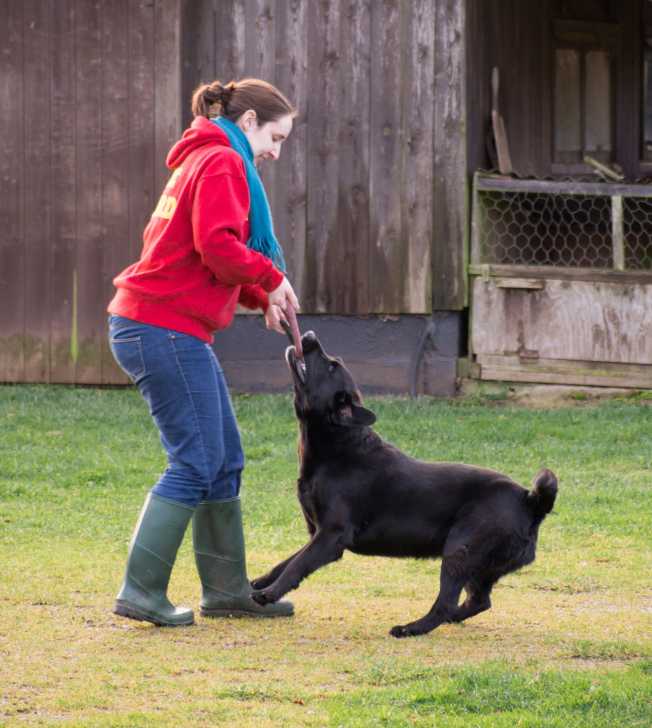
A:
(541, 498)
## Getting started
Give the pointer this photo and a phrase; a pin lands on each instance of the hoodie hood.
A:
(201, 132)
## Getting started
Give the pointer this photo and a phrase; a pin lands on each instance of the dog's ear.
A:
(362, 415)
(353, 415)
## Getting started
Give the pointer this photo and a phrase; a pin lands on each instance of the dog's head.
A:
(324, 390)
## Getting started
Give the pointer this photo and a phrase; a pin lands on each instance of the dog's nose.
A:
(309, 342)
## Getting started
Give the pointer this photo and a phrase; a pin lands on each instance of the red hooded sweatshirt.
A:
(195, 267)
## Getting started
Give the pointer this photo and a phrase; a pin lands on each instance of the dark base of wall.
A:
(406, 354)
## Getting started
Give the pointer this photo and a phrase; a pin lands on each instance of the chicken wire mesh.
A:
(637, 225)
(571, 230)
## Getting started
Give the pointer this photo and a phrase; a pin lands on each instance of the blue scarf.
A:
(261, 228)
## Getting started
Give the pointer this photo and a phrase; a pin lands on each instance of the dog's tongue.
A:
(291, 316)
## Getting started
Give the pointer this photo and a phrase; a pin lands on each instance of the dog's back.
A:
(400, 506)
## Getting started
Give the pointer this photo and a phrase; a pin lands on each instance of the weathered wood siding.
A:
(517, 37)
(566, 332)
(90, 101)
(368, 196)
(594, 321)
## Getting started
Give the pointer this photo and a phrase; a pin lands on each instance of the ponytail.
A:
(236, 97)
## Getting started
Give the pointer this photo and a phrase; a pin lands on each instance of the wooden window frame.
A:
(645, 156)
(584, 36)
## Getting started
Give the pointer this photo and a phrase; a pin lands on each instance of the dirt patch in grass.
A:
(548, 396)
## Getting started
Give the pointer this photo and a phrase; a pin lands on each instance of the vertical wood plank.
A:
(12, 252)
(63, 155)
(167, 84)
(291, 78)
(260, 45)
(90, 103)
(628, 88)
(230, 39)
(543, 40)
(260, 39)
(199, 42)
(142, 192)
(617, 232)
(37, 191)
(450, 196)
(346, 277)
(386, 268)
(477, 87)
(476, 224)
(323, 153)
(115, 162)
(418, 157)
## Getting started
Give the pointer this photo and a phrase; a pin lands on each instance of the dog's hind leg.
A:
(477, 600)
(451, 582)
(324, 548)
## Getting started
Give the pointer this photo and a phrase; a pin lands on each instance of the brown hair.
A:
(236, 97)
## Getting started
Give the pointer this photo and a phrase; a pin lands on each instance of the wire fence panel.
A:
(569, 225)
(637, 224)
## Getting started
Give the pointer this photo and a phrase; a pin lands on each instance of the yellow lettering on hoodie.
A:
(166, 207)
(173, 178)
(167, 203)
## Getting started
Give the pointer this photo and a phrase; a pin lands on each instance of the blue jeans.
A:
(181, 380)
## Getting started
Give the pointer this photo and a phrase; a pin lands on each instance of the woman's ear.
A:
(248, 120)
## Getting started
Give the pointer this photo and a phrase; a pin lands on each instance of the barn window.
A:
(584, 98)
(646, 124)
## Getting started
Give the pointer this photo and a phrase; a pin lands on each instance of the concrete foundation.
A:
(406, 354)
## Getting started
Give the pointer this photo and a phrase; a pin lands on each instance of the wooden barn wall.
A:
(369, 193)
(513, 36)
(89, 104)
(516, 37)
(368, 196)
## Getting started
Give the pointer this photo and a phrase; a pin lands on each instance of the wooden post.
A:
(476, 224)
(450, 201)
(617, 232)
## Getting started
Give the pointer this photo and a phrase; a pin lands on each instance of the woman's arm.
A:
(219, 219)
(254, 297)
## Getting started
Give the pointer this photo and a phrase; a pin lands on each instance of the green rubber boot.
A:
(154, 545)
(220, 555)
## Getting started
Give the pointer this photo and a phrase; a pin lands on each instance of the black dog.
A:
(360, 493)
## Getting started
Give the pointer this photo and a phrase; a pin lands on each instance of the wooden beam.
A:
(554, 371)
(604, 189)
(597, 275)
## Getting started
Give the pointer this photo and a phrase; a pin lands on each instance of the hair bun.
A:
(217, 93)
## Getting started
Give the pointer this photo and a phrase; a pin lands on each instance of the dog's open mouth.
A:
(298, 366)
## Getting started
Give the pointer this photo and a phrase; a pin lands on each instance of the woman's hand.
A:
(273, 317)
(284, 295)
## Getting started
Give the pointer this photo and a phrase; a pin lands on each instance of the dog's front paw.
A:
(259, 583)
(263, 597)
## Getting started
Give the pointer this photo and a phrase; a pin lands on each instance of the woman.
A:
(208, 246)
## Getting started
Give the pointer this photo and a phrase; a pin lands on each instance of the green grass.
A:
(567, 643)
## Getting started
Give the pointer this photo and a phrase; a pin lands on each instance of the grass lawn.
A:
(568, 643)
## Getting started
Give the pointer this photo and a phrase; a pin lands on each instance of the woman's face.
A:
(266, 139)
